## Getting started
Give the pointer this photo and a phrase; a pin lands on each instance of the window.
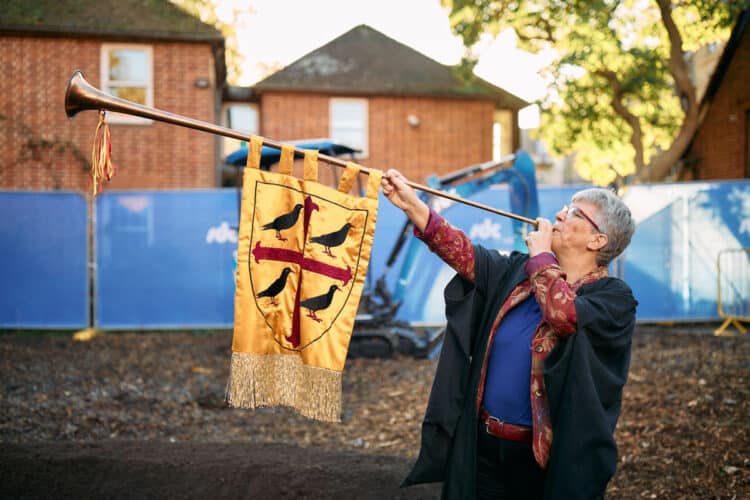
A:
(497, 141)
(242, 118)
(127, 74)
(349, 123)
(502, 134)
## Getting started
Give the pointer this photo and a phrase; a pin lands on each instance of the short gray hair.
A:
(614, 220)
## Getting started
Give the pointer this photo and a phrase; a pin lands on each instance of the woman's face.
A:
(575, 228)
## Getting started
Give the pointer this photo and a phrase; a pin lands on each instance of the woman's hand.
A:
(540, 241)
(404, 197)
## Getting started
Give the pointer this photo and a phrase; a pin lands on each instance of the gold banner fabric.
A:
(302, 259)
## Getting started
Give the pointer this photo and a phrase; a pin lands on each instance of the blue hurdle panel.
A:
(43, 260)
(166, 259)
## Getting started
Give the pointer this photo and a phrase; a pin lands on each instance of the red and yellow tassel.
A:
(102, 168)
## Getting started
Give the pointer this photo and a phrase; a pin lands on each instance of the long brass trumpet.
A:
(80, 95)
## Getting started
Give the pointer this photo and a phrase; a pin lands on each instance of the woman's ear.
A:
(597, 241)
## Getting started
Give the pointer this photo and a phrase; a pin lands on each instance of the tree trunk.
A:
(661, 165)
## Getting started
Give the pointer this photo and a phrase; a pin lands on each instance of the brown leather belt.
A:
(504, 430)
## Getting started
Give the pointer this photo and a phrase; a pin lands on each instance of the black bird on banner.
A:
(318, 303)
(276, 287)
(284, 221)
(333, 239)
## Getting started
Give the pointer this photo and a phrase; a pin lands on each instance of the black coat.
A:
(584, 376)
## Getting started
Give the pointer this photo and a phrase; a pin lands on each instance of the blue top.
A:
(508, 382)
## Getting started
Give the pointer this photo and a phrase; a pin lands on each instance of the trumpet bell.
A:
(78, 94)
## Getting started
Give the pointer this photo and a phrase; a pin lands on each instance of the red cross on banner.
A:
(302, 259)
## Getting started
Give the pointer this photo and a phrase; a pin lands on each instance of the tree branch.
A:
(636, 135)
(678, 67)
(543, 31)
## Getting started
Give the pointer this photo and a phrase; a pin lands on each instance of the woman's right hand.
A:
(404, 197)
(398, 191)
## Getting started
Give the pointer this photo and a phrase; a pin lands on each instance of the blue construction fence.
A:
(166, 259)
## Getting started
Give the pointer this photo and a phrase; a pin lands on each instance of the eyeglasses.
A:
(577, 212)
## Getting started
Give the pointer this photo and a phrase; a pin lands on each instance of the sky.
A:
(279, 32)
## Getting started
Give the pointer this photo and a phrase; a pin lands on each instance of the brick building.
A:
(363, 89)
(720, 148)
(399, 107)
(149, 52)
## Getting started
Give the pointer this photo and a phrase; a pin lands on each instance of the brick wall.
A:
(720, 146)
(157, 155)
(452, 133)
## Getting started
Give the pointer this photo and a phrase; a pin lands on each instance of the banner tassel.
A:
(102, 167)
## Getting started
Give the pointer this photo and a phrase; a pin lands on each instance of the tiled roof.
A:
(367, 62)
(133, 19)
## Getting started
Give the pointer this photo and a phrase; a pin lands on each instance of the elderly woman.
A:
(529, 383)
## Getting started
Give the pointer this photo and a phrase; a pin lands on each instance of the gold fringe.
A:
(284, 380)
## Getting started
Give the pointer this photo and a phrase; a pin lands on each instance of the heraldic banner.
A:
(302, 259)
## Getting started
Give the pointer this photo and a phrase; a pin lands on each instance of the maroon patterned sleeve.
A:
(554, 295)
(450, 244)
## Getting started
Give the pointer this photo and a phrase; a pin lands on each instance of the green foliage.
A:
(606, 50)
(206, 10)
(465, 69)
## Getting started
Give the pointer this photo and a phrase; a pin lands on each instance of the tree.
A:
(208, 12)
(621, 96)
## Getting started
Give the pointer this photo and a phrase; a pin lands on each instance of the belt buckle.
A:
(490, 419)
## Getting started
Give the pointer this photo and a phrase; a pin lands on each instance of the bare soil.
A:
(142, 415)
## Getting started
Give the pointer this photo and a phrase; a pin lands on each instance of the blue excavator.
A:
(377, 332)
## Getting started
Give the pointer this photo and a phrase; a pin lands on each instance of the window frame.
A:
(365, 125)
(228, 144)
(120, 118)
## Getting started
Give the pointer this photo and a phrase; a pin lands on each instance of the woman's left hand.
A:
(540, 241)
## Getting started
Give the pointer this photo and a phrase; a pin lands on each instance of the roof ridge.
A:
(354, 63)
(156, 19)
